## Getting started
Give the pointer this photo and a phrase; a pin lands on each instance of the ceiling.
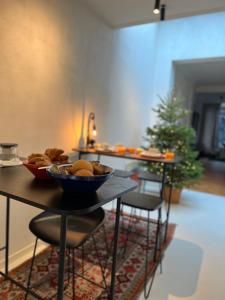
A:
(203, 72)
(121, 13)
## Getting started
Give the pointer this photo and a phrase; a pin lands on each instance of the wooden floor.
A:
(213, 181)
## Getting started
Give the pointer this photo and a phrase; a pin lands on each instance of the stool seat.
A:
(122, 173)
(46, 226)
(147, 176)
(142, 201)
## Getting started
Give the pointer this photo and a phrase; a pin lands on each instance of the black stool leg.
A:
(100, 264)
(31, 268)
(158, 242)
(105, 238)
(122, 220)
(157, 235)
(62, 249)
(68, 265)
(169, 204)
(108, 247)
(147, 290)
(160, 239)
(128, 231)
(73, 273)
(82, 258)
(7, 229)
(146, 256)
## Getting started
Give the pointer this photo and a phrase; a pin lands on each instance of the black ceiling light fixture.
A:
(156, 9)
(162, 12)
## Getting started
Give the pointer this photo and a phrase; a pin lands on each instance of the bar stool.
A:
(145, 177)
(123, 173)
(46, 227)
(148, 203)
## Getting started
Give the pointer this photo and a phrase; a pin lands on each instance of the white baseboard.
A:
(22, 255)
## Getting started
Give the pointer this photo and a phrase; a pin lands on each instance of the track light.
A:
(156, 9)
(162, 12)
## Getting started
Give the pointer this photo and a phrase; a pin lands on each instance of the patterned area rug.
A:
(130, 268)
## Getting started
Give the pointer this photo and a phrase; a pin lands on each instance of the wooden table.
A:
(83, 151)
(18, 184)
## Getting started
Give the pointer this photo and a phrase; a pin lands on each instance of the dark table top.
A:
(19, 184)
(129, 156)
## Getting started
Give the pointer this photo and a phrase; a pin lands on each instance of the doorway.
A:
(201, 84)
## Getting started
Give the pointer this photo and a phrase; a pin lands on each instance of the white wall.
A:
(129, 109)
(184, 39)
(53, 56)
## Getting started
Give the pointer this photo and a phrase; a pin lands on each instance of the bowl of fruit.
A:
(80, 177)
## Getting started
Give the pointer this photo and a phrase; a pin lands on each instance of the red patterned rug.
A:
(130, 268)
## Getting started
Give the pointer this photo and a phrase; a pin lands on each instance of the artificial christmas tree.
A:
(171, 134)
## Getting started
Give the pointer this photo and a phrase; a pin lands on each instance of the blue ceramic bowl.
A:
(79, 184)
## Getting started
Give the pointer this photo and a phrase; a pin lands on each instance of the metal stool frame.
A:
(71, 252)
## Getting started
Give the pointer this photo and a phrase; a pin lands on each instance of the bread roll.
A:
(82, 164)
(84, 172)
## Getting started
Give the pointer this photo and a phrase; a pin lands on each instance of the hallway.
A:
(213, 181)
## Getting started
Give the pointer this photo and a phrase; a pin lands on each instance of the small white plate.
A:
(11, 163)
(152, 155)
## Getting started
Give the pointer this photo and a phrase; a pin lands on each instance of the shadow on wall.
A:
(183, 267)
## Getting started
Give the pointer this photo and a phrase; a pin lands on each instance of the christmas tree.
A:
(171, 134)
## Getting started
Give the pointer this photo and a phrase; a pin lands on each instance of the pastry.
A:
(53, 153)
(33, 155)
(40, 161)
(63, 158)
